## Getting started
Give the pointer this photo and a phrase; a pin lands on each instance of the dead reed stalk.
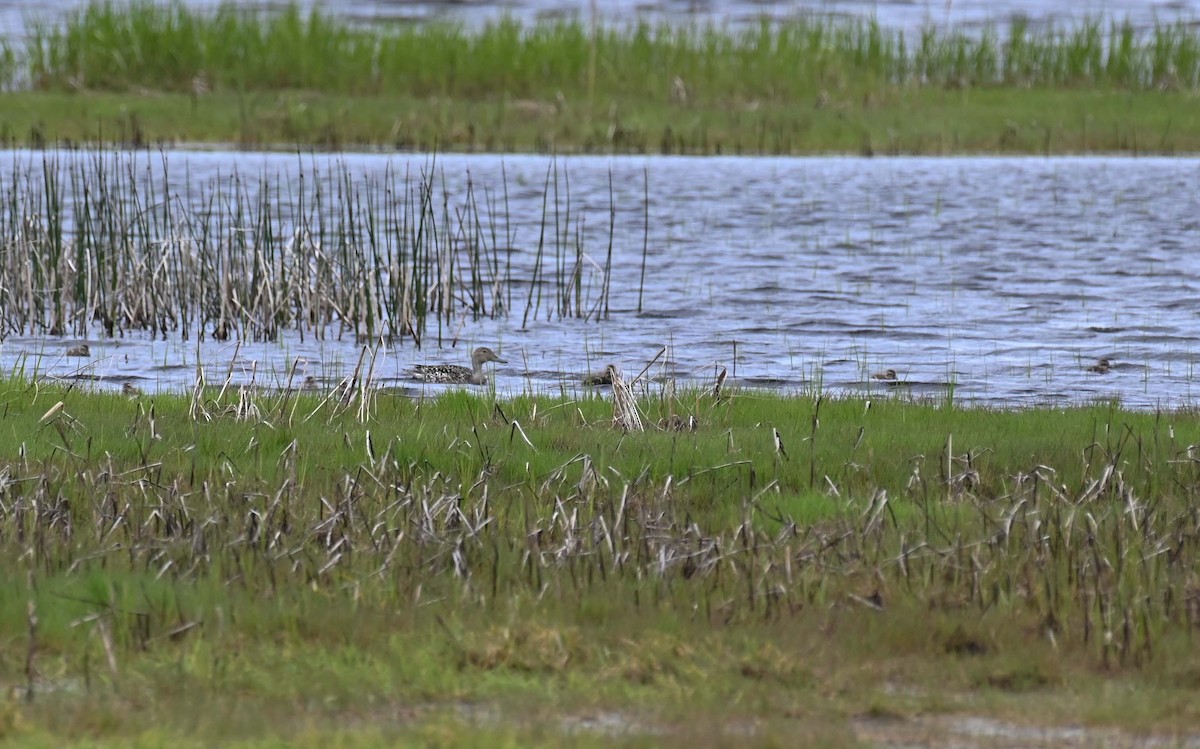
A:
(625, 409)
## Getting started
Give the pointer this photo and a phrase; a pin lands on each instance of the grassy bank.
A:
(140, 74)
(891, 122)
(288, 567)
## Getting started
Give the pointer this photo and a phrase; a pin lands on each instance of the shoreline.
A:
(286, 568)
(806, 86)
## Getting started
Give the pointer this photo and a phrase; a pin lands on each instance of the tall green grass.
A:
(113, 46)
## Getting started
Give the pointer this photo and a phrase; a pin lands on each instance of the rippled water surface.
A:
(999, 278)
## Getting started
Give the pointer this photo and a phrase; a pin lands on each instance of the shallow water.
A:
(907, 14)
(997, 279)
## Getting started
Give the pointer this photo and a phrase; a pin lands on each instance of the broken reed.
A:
(484, 504)
(108, 242)
(115, 46)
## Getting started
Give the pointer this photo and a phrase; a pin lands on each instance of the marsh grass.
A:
(568, 565)
(114, 46)
(142, 73)
(106, 243)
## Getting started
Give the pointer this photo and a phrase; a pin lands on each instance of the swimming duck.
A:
(887, 374)
(456, 375)
(597, 379)
(1101, 367)
(80, 350)
(130, 390)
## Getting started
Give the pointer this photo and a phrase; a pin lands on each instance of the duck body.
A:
(454, 374)
(1101, 367)
(596, 379)
(887, 375)
(81, 350)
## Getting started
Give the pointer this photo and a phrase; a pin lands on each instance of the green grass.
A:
(198, 574)
(113, 46)
(143, 74)
(911, 121)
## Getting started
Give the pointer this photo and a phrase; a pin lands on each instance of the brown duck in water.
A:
(596, 379)
(887, 375)
(80, 350)
(454, 374)
(1101, 367)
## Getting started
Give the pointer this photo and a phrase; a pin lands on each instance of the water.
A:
(906, 14)
(999, 279)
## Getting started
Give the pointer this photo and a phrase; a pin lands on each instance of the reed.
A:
(141, 74)
(105, 240)
(115, 46)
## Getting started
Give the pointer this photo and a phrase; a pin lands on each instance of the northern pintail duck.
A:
(454, 374)
(80, 350)
(1101, 367)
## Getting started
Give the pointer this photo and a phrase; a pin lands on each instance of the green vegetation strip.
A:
(299, 568)
(142, 74)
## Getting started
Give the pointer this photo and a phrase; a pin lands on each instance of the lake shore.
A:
(289, 566)
(805, 86)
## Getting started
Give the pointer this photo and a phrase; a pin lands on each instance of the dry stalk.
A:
(625, 410)
(720, 383)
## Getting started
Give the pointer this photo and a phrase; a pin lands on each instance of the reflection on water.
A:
(1002, 279)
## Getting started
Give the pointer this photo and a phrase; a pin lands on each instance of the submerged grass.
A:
(466, 568)
(106, 242)
(806, 84)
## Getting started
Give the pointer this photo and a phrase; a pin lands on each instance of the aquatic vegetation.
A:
(196, 51)
(103, 243)
(163, 73)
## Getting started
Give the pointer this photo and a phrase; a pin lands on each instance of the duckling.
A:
(458, 375)
(1101, 367)
(886, 375)
(677, 423)
(130, 390)
(80, 350)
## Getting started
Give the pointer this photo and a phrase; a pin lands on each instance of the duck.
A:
(453, 374)
(129, 390)
(677, 423)
(80, 350)
(887, 374)
(596, 379)
(1101, 367)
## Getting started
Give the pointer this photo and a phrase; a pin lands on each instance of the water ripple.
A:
(1001, 278)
